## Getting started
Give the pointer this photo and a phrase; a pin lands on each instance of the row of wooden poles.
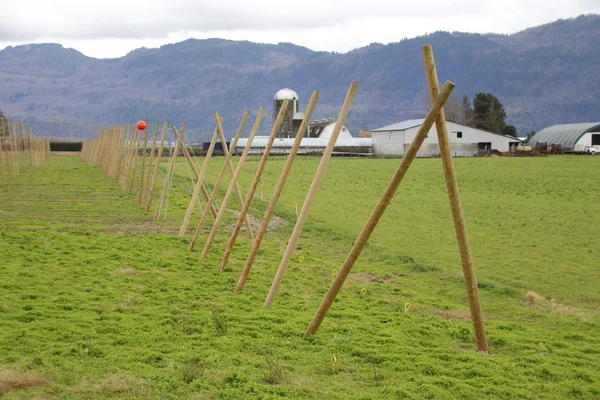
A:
(116, 150)
(20, 149)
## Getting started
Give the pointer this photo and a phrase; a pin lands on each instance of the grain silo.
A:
(287, 126)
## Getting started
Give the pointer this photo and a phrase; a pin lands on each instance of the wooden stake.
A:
(204, 188)
(141, 194)
(199, 182)
(460, 225)
(226, 165)
(212, 198)
(233, 185)
(254, 184)
(377, 213)
(273, 203)
(167, 180)
(155, 173)
(291, 247)
(136, 150)
(151, 162)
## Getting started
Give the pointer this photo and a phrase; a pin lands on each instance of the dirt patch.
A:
(143, 227)
(453, 314)
(274, 223)
(125, 272)
(115, 385)
(368, 278)
(13, 380)
(533, 298)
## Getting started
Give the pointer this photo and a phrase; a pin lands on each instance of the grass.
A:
(99, 302)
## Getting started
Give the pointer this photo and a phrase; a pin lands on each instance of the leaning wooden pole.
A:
(460, 225)
(233, 185)
(211, 199)
(200, 180)
(150, 162)
(274, 199)
(155, 173)
(377, 213)
(314, 187)
(253, 185)
(142, 174)
(136, 150)
(226, 165)
(167, 181)
(190, 160)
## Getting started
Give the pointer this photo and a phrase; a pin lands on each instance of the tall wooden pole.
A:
(226, 165)
(200, 179)
(377, 213)
(6, 156)
(151, 162)
(136, 150)
(190, 160)
(314, 187)
(233, 185)
(2, 163)
(167, 181)
(155, 173)
(274, 199)
(253, 185)
(211, 199)
(141, 194)
(129, 138)
(460, 225)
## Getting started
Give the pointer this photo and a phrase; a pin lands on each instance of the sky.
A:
(112, 28)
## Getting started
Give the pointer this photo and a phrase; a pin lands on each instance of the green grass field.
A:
(100, 302)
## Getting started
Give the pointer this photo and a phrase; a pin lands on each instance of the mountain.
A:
(544, 75)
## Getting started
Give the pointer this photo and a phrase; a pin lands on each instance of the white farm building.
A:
(394, 140)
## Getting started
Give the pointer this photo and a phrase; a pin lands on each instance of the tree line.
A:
(486, 112)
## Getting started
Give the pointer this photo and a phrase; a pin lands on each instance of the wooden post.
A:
(460, 225)
(226, 165)
(2, 163)
(127, 155)
(6, 156)
(167, 180)
(199, 181)
(233, 184)
(212, 198)
(274, 199)
(291, 247)
(141, 194)
(187, 155)
(377, 213)
(136, 150)
(254, 184)
(150, 163)
(155, 173)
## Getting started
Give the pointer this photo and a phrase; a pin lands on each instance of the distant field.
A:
(99, 302)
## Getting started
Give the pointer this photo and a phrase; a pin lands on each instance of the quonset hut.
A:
(571, 137)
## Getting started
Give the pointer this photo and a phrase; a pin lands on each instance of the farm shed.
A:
(394, 140)
(569, 136)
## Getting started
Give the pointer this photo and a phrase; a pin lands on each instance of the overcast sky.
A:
(112, 28)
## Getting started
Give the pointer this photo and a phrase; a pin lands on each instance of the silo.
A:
(287, 126)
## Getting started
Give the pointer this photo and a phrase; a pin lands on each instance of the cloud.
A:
(111, 28)
(28, 20)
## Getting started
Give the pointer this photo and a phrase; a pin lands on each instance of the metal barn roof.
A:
(566, 134)
(401, 126)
